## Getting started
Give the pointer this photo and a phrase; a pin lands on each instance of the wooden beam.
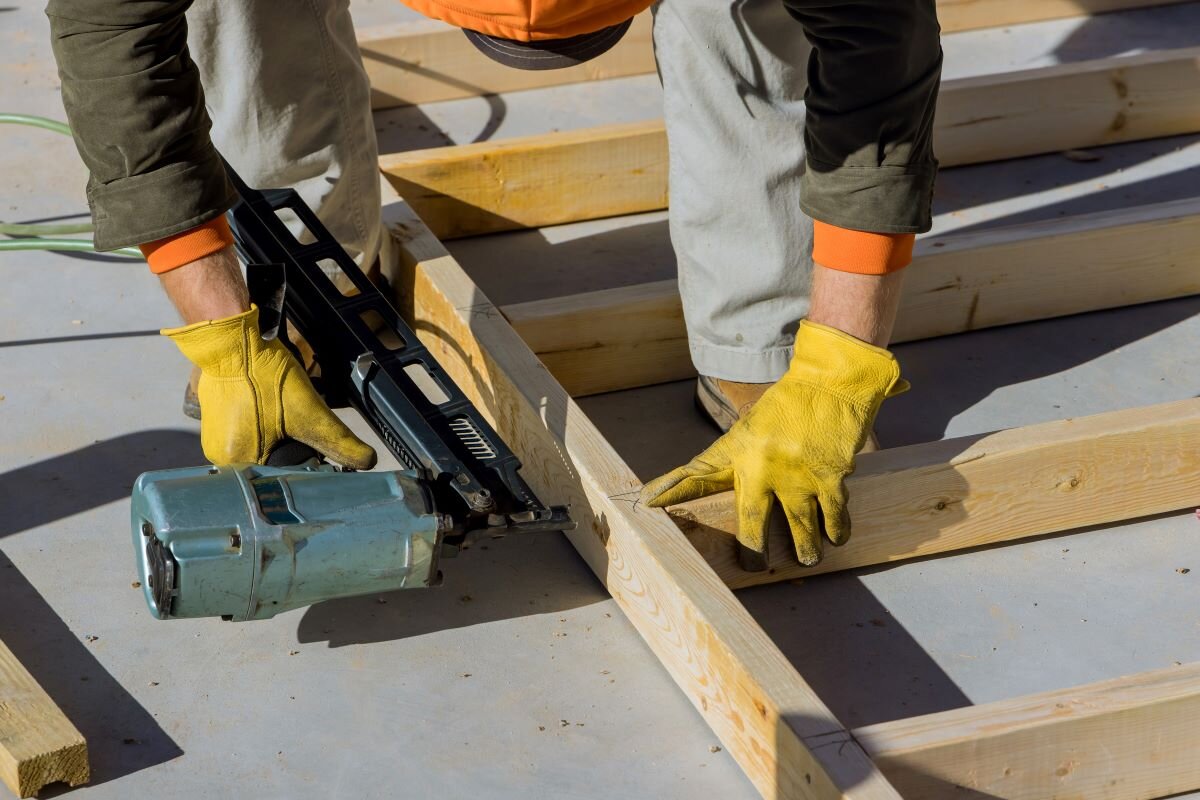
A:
(763, 712)
(610, 339)
(965, 15)
(634, 336)
(534, 180)
(1123, 739)
(38, 744)
(427, 61)
(908, 502)
(554, 178)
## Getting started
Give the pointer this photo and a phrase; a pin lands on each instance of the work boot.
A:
(191, 400)
(725, 402)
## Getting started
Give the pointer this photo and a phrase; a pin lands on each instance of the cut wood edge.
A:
(634, 336)
(428, 61)
(766, 716)
(921, 500)
(38, 744)
(549, 179)
(1123, 739)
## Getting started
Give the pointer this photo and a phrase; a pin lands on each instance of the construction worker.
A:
(801, 168)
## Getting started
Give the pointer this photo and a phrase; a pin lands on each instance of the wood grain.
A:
(531, 181)
(915, 501)
(635, 336)
(1124, 739)
(763, 712)
(965, 15)
(554, 178)
(428, 61)
(38, 744)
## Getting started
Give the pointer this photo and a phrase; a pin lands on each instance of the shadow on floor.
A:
(494, 579)
(951, 374)
(122, 736)
(50, 490)
(1157, 28)
(867, 668)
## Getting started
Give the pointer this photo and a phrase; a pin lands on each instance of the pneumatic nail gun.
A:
(247, 542)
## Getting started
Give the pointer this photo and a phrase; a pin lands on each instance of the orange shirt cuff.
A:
(861, 252)
(174, 251)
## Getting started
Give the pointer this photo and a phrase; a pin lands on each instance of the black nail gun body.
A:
(246, 541)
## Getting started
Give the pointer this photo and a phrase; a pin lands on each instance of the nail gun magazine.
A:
(246, 541)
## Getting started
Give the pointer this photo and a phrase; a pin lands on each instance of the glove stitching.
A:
(282, 376)
(255, 395)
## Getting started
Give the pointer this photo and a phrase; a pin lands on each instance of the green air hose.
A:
(78, 245)
(42, 236)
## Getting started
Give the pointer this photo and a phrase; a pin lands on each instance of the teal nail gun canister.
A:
(246, 542)
(251, 542)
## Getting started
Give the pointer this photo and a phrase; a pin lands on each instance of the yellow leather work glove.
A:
(797, 445)
(254, 394)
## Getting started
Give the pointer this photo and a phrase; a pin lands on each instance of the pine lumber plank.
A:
(550, 179)
(530, 181)
(635, 336)
(610, 339)
(428, 61)
(38, 744)
(908, 502)
(1084, 104)
(764, 713)
(1123, 739)
(965, 15)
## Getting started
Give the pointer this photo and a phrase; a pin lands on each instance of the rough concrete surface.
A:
(520, 678)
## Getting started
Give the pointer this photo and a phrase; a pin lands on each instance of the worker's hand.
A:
(254, 394)
(797, 445)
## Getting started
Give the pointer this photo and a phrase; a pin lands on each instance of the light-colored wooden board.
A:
(1084, 104)
(965, 15)
(938, 497)
(763, 712)
(1124, 739)
(634, 336)
(428, 61)
(610, 339)
(530, 181)
(38, 744)
(549, 179)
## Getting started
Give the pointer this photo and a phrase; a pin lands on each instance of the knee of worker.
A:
(285, 121)
(749, 50)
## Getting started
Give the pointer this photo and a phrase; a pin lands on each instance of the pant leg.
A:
(733, 74)
(290, 104)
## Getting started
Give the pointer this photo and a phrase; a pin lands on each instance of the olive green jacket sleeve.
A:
(873, 78)
(135, 104)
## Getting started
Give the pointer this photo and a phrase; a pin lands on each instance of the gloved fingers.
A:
(754, 504)
(801, 513)
(329, 436)
(309, 420)
(835, 512)
(697, 478)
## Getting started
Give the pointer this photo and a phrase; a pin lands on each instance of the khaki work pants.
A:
(291, 107)
(733, 75)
